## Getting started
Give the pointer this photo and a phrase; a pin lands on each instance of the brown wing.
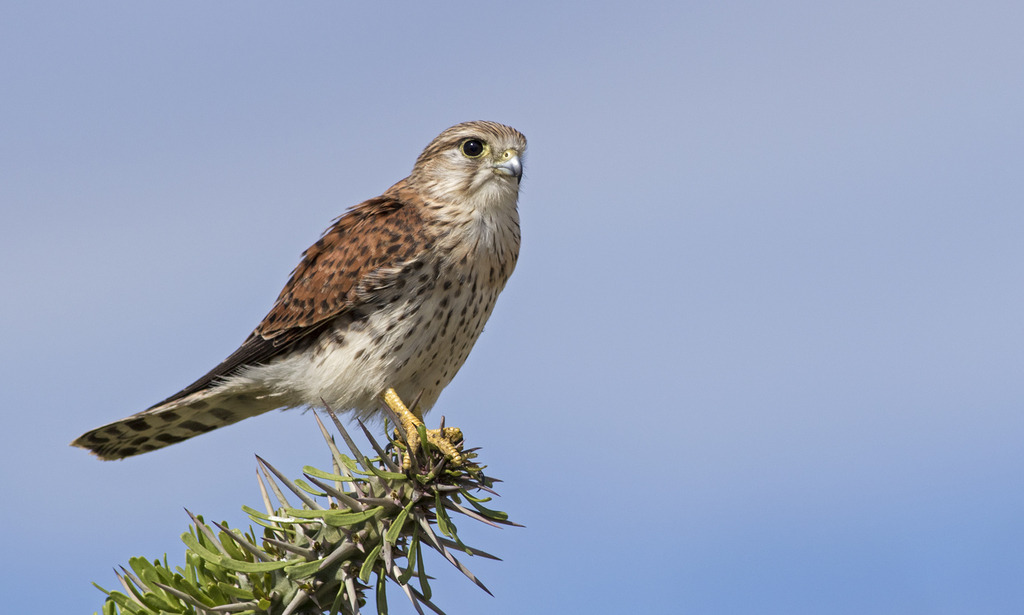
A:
(359, 253)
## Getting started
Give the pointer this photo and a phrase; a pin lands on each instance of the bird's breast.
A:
(414, 337)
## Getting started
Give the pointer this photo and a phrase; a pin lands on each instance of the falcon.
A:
(385, 306)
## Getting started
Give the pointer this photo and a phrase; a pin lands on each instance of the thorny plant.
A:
(310, 559)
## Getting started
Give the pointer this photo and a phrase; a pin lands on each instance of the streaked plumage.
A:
(394, 294)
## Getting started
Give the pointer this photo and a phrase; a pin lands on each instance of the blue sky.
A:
(763, 351)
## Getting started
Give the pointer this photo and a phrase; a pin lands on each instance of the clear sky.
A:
(763, 351)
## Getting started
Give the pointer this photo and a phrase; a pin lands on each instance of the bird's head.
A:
(474, 162)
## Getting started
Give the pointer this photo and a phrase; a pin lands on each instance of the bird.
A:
(388, 302)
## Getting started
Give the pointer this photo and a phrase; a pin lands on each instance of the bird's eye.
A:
(473, 148)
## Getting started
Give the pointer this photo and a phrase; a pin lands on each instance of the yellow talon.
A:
(444, 439)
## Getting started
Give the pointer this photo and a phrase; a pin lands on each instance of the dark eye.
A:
(472, 147)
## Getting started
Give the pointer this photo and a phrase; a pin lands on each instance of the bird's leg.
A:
(444, 438)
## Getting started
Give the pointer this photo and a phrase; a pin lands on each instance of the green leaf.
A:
(473, 498)
(491, 514)
(192, 543)
(443, 521)
(337, 600)
(382, 595)
(216, 594)
(193, 587)
(126, 603)
(421, 430)
(249, 567)
(273, 525)
(302, 513)
(350, 463)
(236, 592)
(230, 564)
(228, 542)
(324, 475)
(301, 484)
(384, 473)
(299, 571)
(145, 569)
(371, 559)
(160, 604)
(403, 578)
(340, 518)
(252, 512)
(150, 572)
(396, 526)
(154, 601)
(422, 573)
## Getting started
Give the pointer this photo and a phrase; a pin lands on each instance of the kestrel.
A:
(389, 301)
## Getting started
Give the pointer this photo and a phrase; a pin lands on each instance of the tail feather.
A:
(172, 422)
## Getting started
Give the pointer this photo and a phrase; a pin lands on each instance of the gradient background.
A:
(763, 352)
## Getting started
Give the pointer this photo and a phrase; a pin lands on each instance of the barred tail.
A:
(173, 422)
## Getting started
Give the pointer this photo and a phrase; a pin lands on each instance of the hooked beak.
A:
(512, 167)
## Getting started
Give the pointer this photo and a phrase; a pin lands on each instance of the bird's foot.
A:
(446, 439)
